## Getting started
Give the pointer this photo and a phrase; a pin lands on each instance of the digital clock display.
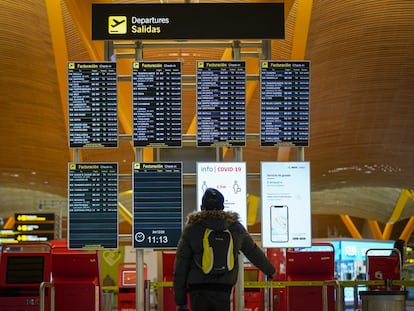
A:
(158, 239)
(151, 237)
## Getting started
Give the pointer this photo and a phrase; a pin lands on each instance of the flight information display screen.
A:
(285, 94)
(157, 204)
(93, 205)
(156, 104)
(34, 227)
(221, 103)
(92, 102)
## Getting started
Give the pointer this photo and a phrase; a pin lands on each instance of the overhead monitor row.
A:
(157, 202)
(157, 104)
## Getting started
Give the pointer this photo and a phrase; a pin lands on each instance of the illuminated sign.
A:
(93, 105)
(157, 204)
(34, 237)
(221, 103)
(188, 21)
(34, 227)
(93, 205)
(286, 204)
(230, 179)
(156, 104)
(284, 109)
(34, 217)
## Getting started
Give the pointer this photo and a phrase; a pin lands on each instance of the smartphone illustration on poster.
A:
(279, 223)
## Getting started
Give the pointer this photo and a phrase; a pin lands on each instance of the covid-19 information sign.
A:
(230, 179)
(286, 204)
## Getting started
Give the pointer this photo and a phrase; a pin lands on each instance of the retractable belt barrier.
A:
(339, 285)
(284, 284)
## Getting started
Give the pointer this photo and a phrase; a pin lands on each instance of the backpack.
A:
(218, 256)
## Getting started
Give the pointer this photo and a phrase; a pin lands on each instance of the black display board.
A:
(221, 103)
(157, 204)
(188, 21)
(285, 95)
(156, 104)
(34, 227)
(93, 205)
(28, 218)
(92, 102)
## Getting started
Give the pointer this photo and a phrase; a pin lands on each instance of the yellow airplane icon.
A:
(117, 24)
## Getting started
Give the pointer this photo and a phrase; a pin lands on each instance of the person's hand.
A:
(182, 308)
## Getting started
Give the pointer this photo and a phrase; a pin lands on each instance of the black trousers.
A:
(209, 300)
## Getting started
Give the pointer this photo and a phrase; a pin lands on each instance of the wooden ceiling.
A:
(362, 102)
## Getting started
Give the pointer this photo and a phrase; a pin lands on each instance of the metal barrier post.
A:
(107, 300)
(325, 297)
(356, 299)
(339, 306)
(340, 302)
(239, 287)
(147, 294)
(268, 295)
(271, 295)
(42, 290)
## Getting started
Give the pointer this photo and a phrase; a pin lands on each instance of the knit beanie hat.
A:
(212, 200)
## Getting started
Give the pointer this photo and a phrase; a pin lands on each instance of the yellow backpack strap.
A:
(207, 258)
(230, 255)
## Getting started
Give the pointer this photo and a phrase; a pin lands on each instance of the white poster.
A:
(286, 204)
(230, 179)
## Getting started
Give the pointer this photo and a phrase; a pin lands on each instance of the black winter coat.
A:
(187, 269)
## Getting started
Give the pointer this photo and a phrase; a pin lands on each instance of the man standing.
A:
(212, 291)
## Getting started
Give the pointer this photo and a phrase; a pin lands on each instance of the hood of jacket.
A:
(217, 220)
